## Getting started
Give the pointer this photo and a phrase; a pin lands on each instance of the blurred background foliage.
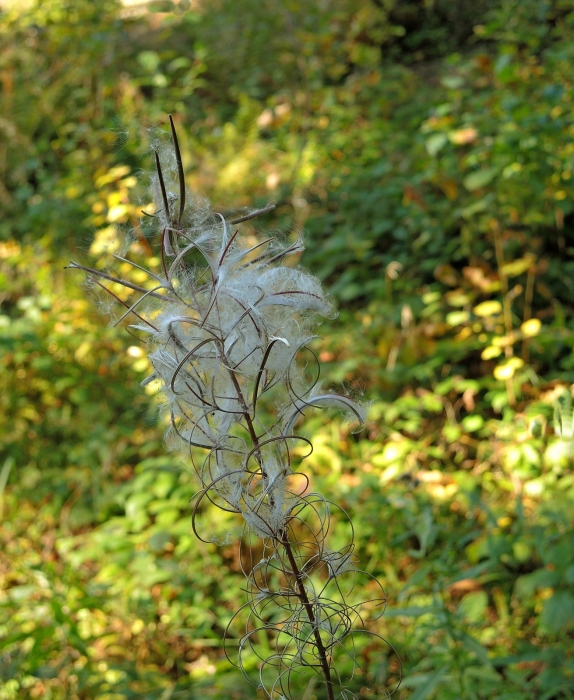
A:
(426, 148)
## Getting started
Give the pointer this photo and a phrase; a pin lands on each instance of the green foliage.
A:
(430, 162)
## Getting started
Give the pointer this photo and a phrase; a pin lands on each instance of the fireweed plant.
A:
(227, 326)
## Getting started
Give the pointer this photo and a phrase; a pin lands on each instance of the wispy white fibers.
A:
(227, 324)
(230, 337)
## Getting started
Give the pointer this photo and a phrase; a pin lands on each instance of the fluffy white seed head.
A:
(226, 322)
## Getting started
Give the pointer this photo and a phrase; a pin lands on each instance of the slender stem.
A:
(301, 593)
(506, 306)
(99, 273)
(253, 214)
(240, 398)
(311, 615)
(528, 294)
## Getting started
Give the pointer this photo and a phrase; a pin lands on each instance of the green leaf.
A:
(479, 178)
(453, 82)
(427, 686)
(542, 578)
(473, 645)
(472, 423)
(476, 207)
(558, 611)
(149, 60)
(473, 606)
(435, 143)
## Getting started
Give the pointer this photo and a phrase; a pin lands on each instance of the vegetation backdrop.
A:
(426, 149)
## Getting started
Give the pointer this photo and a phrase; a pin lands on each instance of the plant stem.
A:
(283, 539)
(309, 609)
(506, 305)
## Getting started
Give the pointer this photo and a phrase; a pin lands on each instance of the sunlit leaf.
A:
(488, 308)
(472, 423)
(518, 267)
(490, 352)
(507, 369)
(456, 318)
(461, 137)
(531, 327)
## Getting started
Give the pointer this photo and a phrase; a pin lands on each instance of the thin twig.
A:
(254, 214)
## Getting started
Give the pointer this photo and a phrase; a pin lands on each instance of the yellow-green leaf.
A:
(507, 370)
(490, 352)
(479, 178)
(488, 308)
(518, 267)
(455, 318)
(531, 327)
